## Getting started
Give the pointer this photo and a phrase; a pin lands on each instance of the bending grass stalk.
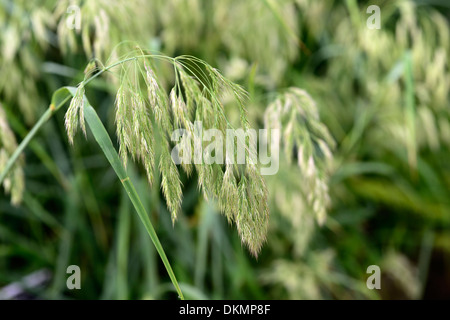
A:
(44, 118)
(103, 139)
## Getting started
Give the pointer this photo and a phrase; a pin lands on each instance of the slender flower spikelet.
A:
(158, 101)
(192, 92)
(218, 181)
(258, 221)
(243, 223)
(180, 112)
(134, 129)
(182, 121)
(170, 183)
(152, 85)
(14, 182)
(18, 185)
(75, 114)
(143, 132)
(122, 128)
(229, 197)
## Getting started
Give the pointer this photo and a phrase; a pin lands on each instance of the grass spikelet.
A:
(74, 115)
(205, 177)
(158, 100)
(229, 198)
(192, 92)
(143, 131)
(246, 225)
(258, 199)
(134, 128)
(17, 186)
(179, 111)
(170, 183)
(14, 182)
(122, 127)
(296, 114)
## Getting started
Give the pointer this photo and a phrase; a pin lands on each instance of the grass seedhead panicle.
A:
(146, 114)
(307, 139)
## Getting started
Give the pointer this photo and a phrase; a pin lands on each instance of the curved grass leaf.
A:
(103, 139)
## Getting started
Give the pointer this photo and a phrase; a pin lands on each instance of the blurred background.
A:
(382, 93)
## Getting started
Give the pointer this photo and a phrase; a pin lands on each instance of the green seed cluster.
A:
(146, 116)
(307, 139)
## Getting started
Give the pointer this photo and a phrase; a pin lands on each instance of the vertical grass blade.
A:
(103, 139)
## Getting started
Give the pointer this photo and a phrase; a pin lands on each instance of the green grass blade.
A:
(148, 258)
(103, 139)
